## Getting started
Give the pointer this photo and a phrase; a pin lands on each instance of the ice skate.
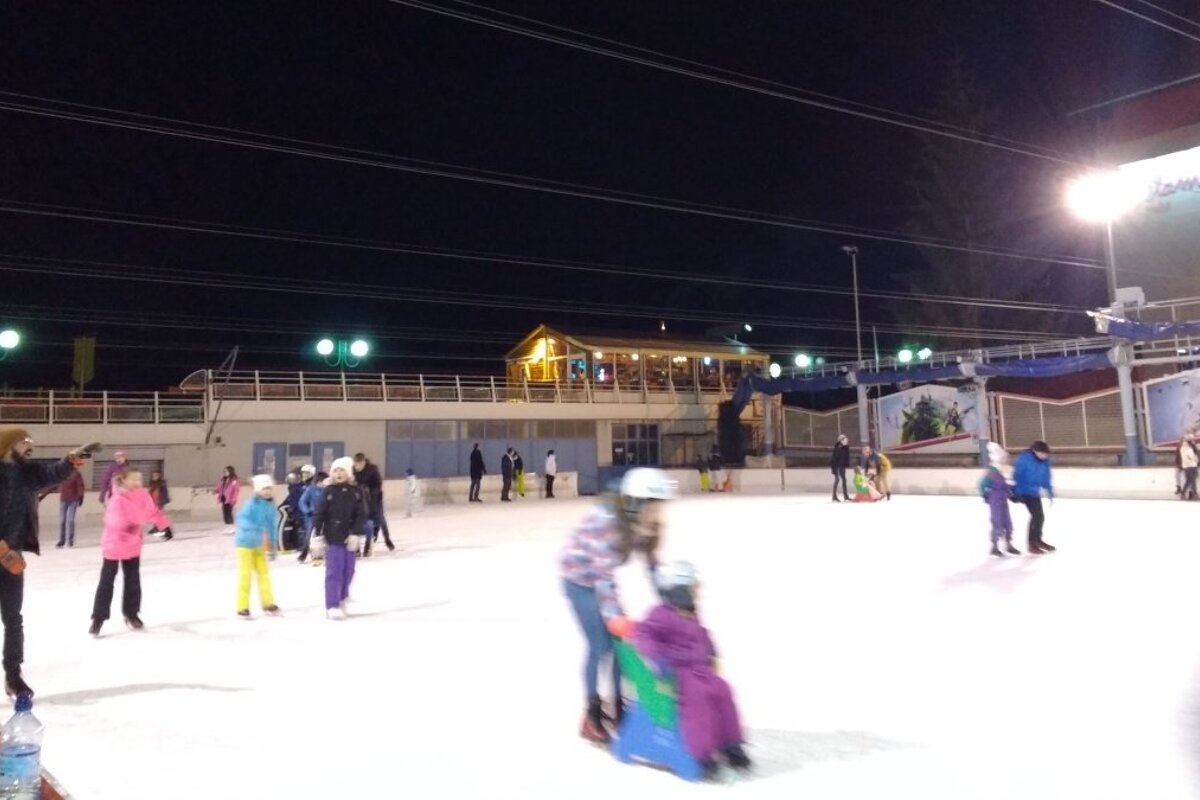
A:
(1034, 550)
(709, 769)
(15, 685)
(272, 610)
(1012, 551)
(94, 628)
(737, 757)
(1047, 548)
(593, 728)
(244, 614)
(996, 552)
(134, 622)
(336, 614)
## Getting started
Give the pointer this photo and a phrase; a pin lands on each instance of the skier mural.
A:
(941, 418)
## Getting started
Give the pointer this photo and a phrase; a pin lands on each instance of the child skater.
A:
(996, 492)
(339, 517)
(673, 637)
(864, 488)
(128, 510)
(410, 488)
(160, 493)
(255, 542)
(308, 506)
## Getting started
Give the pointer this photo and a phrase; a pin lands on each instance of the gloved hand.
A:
(621, 627)
(84, 450)
(10, 559)
(354, 543)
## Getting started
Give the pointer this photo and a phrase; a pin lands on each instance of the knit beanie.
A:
(345, 462)
(260, 482)
(9, 437)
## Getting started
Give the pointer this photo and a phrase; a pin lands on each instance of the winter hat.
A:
(260, 482)
(676, 581)
(996, 454)
(345, 462)
(308, 470)
(9, 437)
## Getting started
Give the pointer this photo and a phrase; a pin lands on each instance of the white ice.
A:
(875, 651)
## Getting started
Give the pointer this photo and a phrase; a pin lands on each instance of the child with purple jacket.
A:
(996, 492)
(672, 637)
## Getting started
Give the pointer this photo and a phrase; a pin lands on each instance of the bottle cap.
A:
(24, 702)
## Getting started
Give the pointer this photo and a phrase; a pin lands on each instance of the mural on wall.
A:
(936, 418)
(1173, 406)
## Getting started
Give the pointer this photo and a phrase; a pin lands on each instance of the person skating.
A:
(506, 475)
(367, 476)
(411, 489)
(308, 507)
(864, 488)
(997, 493)
(1031, 476)
(551, 473)
(339, 518)
(519, 473)
(106, 483)
(1189, 461)
(70, 496)
(255, 543)
(160, 493)
(716, 473)
(877, 466)
(629, 521)
(702, 469)
(21, 478)
(227, 494)
(672, 637)
(477, 472)
(129, 508)
(839, 462)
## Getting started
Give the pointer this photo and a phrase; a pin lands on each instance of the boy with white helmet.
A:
(629, 519)
(996, 492)
(672, 637)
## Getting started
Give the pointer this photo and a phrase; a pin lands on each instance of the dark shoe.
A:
(1047, 548)
(835, 499)
(1012, 551)
(390, 545)
(1034, 550)
(244, 613)
(94, 630)
(59, 545)
(168, 534)
(889, 495)
(737, 757)
(708, 769)
(273, 610)
(15, 685)
(996, 552)
(134, 622)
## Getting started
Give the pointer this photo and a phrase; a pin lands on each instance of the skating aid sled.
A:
(650, 726)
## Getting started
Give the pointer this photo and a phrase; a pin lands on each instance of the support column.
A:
(768, 426)
(985, 420)
(1128, 420)
(864, 416)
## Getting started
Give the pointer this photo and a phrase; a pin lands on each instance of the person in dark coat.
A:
(506, 475)
(477, 473)
(339, 517)
(839, 462)
(367, 476)
(21, 478)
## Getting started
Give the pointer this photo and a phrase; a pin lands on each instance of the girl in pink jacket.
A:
(227, 494)
(125, 517)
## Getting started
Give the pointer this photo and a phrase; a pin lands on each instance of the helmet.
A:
(646, 483)
(996, 453)
(260, 482)
(676, 582)
(307, 471)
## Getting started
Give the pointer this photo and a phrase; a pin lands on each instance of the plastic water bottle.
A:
(21, 753)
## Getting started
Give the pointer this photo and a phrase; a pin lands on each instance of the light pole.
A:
(864, 412)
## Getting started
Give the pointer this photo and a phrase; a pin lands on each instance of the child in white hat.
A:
(255, 541)
(340, 517)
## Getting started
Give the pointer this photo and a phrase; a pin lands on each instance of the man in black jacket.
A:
(21, 479)
(839, 462)
(506, 475)
(477, 472)
(367, 476)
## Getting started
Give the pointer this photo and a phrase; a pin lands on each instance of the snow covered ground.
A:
(874, 650)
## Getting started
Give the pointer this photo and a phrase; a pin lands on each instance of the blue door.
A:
(323, 454)
(270, 458)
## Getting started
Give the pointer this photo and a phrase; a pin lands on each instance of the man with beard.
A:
(21, 478)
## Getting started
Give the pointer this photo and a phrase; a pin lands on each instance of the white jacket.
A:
(1187, 456)
(551, 465)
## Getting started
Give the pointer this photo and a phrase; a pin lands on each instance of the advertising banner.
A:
(930, 418)
(1173, 405)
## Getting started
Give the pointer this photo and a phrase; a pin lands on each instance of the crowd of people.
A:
(870, 473)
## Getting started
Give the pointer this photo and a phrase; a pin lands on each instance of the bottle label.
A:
(20, 763)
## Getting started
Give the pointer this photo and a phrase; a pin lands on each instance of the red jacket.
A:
(71, 490)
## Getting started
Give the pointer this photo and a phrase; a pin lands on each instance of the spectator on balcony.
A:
(227, 495)
(477, 472)
(106, 484)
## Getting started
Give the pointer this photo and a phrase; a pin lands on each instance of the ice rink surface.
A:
(875, 651)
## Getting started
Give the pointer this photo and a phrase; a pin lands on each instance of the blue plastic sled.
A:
(650, 726)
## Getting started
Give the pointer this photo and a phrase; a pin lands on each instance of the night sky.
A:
(407, 84)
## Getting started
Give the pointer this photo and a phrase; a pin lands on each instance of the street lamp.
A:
(904, 356)
(775, 370)
(924, 354)
(1104, 197)
(803, 361)
(342, 353)
(852, 251)
(9, 340)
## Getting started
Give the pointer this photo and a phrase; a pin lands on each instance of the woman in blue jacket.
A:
(1031, 475)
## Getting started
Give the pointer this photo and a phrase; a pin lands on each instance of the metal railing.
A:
(346, 386)
(1088, 422)
(57, 408)
(804, 428)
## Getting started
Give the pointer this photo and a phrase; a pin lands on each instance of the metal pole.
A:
(1125, 354)
(985, 421)
(853, 253)
(1110, 257)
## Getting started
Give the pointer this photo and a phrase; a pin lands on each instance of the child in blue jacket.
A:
(308, 507)
(255, 541)
(1031, 476)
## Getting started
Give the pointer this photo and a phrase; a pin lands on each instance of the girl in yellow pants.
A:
(255, 541)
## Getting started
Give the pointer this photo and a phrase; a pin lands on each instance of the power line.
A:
(511, 259)
(1169, 13)
(767, 88)
(304, 148)
(438, 297)
(1145, 18)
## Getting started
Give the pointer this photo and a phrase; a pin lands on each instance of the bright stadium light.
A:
(359, 348)
(9, 339)
(325, 347)
(775, 370)
(803, 361)
(904, 356)
(924, 353)
(1104, 196)
(748, 327)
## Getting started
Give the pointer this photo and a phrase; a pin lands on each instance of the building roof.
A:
(635, 344)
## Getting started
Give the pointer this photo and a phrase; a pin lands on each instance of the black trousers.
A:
(549, 486)
(227, 510)
(840, 475)
(1189, 483)
(12, 597)
(1037, 518)
(506, 488)
(131, 597)
(473, 494)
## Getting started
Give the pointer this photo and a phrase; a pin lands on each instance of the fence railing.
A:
(1087, 422)
(340, 387)
(804, 428)
(51, 408)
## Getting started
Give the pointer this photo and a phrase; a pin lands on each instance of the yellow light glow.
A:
(598, 354)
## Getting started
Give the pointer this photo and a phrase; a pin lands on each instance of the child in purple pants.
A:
(672, 637)
(339, 517)
(996, 491)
